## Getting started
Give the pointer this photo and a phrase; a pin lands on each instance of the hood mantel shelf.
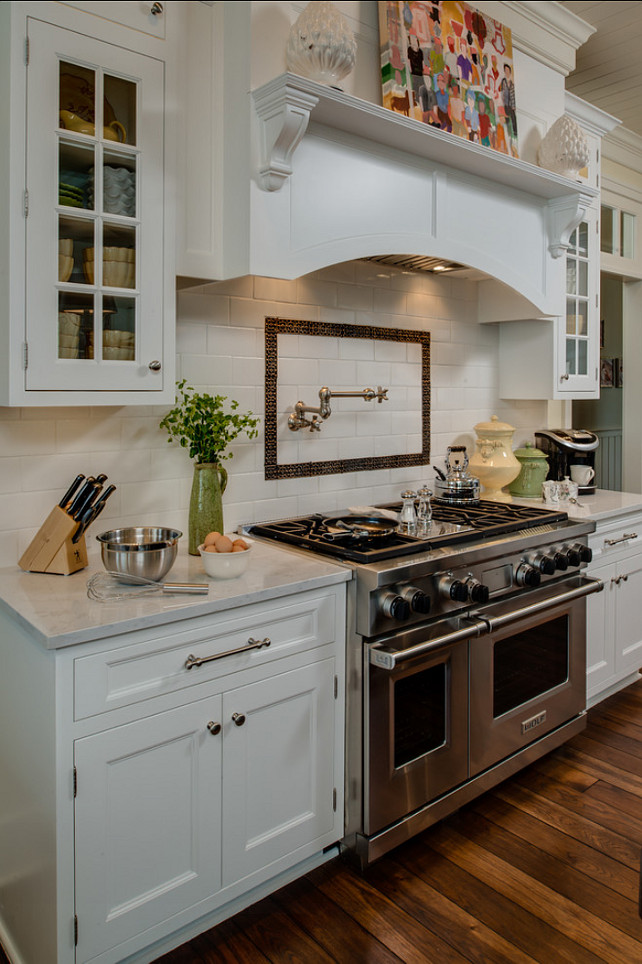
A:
(286, 105)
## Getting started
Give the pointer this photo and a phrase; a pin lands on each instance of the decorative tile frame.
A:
(276, 326)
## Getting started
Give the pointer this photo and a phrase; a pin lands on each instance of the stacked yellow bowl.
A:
(65, 258)
(118, 345)
(119, 267)
(68, 334)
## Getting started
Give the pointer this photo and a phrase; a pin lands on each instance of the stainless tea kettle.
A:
(457, 486)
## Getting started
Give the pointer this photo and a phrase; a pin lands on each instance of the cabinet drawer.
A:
(618, 538)
(159, 665)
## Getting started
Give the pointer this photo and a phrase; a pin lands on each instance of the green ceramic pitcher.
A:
(206, 503)
(533, 471)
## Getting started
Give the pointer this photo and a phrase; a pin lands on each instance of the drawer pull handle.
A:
(193, 661)
(214, 728)
(624, 538)
(238, 719)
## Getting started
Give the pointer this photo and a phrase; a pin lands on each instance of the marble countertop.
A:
(57, 612)
(603, 504)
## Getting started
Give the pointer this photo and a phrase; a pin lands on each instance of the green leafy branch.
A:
(200, 424)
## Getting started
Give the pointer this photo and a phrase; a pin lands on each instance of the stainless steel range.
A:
(466, 653)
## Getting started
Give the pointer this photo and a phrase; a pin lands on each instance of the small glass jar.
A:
(408, 516)
(424, 511)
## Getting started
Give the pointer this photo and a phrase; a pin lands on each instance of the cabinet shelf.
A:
(287, 104)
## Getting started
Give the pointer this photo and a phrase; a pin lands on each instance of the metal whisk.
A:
(105, 586)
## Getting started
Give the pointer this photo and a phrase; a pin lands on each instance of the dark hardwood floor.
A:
(543, 868)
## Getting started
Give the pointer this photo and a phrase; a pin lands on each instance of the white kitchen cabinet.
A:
(614, 633)
(88, 209)
(171, 795)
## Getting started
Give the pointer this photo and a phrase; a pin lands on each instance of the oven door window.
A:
(419, 714)
(529, 664)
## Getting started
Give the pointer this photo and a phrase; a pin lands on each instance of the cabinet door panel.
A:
(147, 823)
(94, 305)
(600, 660)
(278, 767)
(628, 654)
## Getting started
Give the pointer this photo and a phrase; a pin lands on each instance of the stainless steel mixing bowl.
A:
(145, 551)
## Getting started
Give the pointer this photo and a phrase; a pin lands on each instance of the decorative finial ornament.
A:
(564, 150)
(321, 44)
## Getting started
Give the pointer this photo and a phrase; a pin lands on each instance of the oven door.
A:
(416, 725)
(528, 674)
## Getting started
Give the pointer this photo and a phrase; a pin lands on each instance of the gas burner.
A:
(328, 533)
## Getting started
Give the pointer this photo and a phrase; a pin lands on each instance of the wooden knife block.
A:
(51, 549)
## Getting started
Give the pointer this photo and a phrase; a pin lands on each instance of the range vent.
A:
(412, 262)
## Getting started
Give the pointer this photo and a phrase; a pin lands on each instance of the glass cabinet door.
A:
(579, 348)
(95, 215)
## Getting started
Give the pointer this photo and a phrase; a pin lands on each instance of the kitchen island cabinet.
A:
(149, 798)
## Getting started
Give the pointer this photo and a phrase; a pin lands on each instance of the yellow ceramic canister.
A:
(493, 461)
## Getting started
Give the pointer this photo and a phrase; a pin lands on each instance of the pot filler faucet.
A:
(298, 418)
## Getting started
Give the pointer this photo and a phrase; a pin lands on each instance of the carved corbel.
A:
(563, 216)
(284, 114)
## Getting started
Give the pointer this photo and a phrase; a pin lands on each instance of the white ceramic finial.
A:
(321, 45)
(564, 150)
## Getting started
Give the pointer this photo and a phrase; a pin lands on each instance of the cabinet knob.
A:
(154, 366)
(565, 377)
(214, 728)
(238, 719)
(156, 10)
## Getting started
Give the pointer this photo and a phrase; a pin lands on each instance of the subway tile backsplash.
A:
(220, 347)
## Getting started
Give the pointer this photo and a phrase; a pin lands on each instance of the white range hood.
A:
(336, 178)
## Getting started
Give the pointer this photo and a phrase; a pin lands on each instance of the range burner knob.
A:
(527, 575)
(573, 555)
(418, 600)
(394, 606)
(561, 561)
(585, 552)
(543, 563)
(453, 589)
(478, 592)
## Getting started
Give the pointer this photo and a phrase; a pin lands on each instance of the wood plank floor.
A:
(544, 868)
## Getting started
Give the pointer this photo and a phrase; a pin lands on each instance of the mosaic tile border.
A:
(276, 326)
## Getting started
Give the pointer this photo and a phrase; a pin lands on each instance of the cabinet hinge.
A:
(75, 782)
(26, 204)
(336, 687)
(26, 51)
(334, 799)
(75, 930)
(25, 355)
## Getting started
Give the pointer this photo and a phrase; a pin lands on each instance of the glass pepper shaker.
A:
(408, 516)
(424, 511)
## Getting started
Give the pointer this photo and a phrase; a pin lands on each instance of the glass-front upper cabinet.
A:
(579, 349)
(95, 216)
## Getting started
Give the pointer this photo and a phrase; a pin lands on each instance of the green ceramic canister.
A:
(534, 469)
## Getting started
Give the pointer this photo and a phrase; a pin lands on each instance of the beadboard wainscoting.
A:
(220, 345)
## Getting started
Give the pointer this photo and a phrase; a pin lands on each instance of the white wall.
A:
(220, 349)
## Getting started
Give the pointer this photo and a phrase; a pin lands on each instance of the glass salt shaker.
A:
(424, 511)
(408, 516)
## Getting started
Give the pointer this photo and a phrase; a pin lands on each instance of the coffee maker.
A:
(565, 447)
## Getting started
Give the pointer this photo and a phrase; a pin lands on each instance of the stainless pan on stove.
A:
(357, 528)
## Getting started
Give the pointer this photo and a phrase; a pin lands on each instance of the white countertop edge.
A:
(56, 612)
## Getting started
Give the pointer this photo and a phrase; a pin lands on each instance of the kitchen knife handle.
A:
(80, 499)
(70, 491)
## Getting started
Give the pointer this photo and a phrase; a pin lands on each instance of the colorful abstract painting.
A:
(450, 66)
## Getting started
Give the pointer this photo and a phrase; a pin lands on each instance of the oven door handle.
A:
(479, 624)
(588, 586)
(390, 658)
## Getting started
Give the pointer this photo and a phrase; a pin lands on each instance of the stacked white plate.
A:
(119, 190)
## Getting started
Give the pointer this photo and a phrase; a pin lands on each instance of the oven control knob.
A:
(585, 552)
(478, 592)
(573, 555)
(453, 589)
(561, 561)
(419, 601)
(527, 575)
(543, 563)
(394, 606)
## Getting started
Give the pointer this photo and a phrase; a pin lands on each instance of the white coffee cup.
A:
(582, 474)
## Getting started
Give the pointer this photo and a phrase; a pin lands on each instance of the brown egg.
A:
(210, 548)
(211, 538)
(239, 545)
(223, 544)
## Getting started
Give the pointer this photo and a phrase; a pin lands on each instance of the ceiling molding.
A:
(622, 146)
(591, 118)
(548, 32)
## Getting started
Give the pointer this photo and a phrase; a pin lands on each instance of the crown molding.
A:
(591, 118)
(624, 147)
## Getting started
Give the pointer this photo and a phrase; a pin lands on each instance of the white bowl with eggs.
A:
(221, 560)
